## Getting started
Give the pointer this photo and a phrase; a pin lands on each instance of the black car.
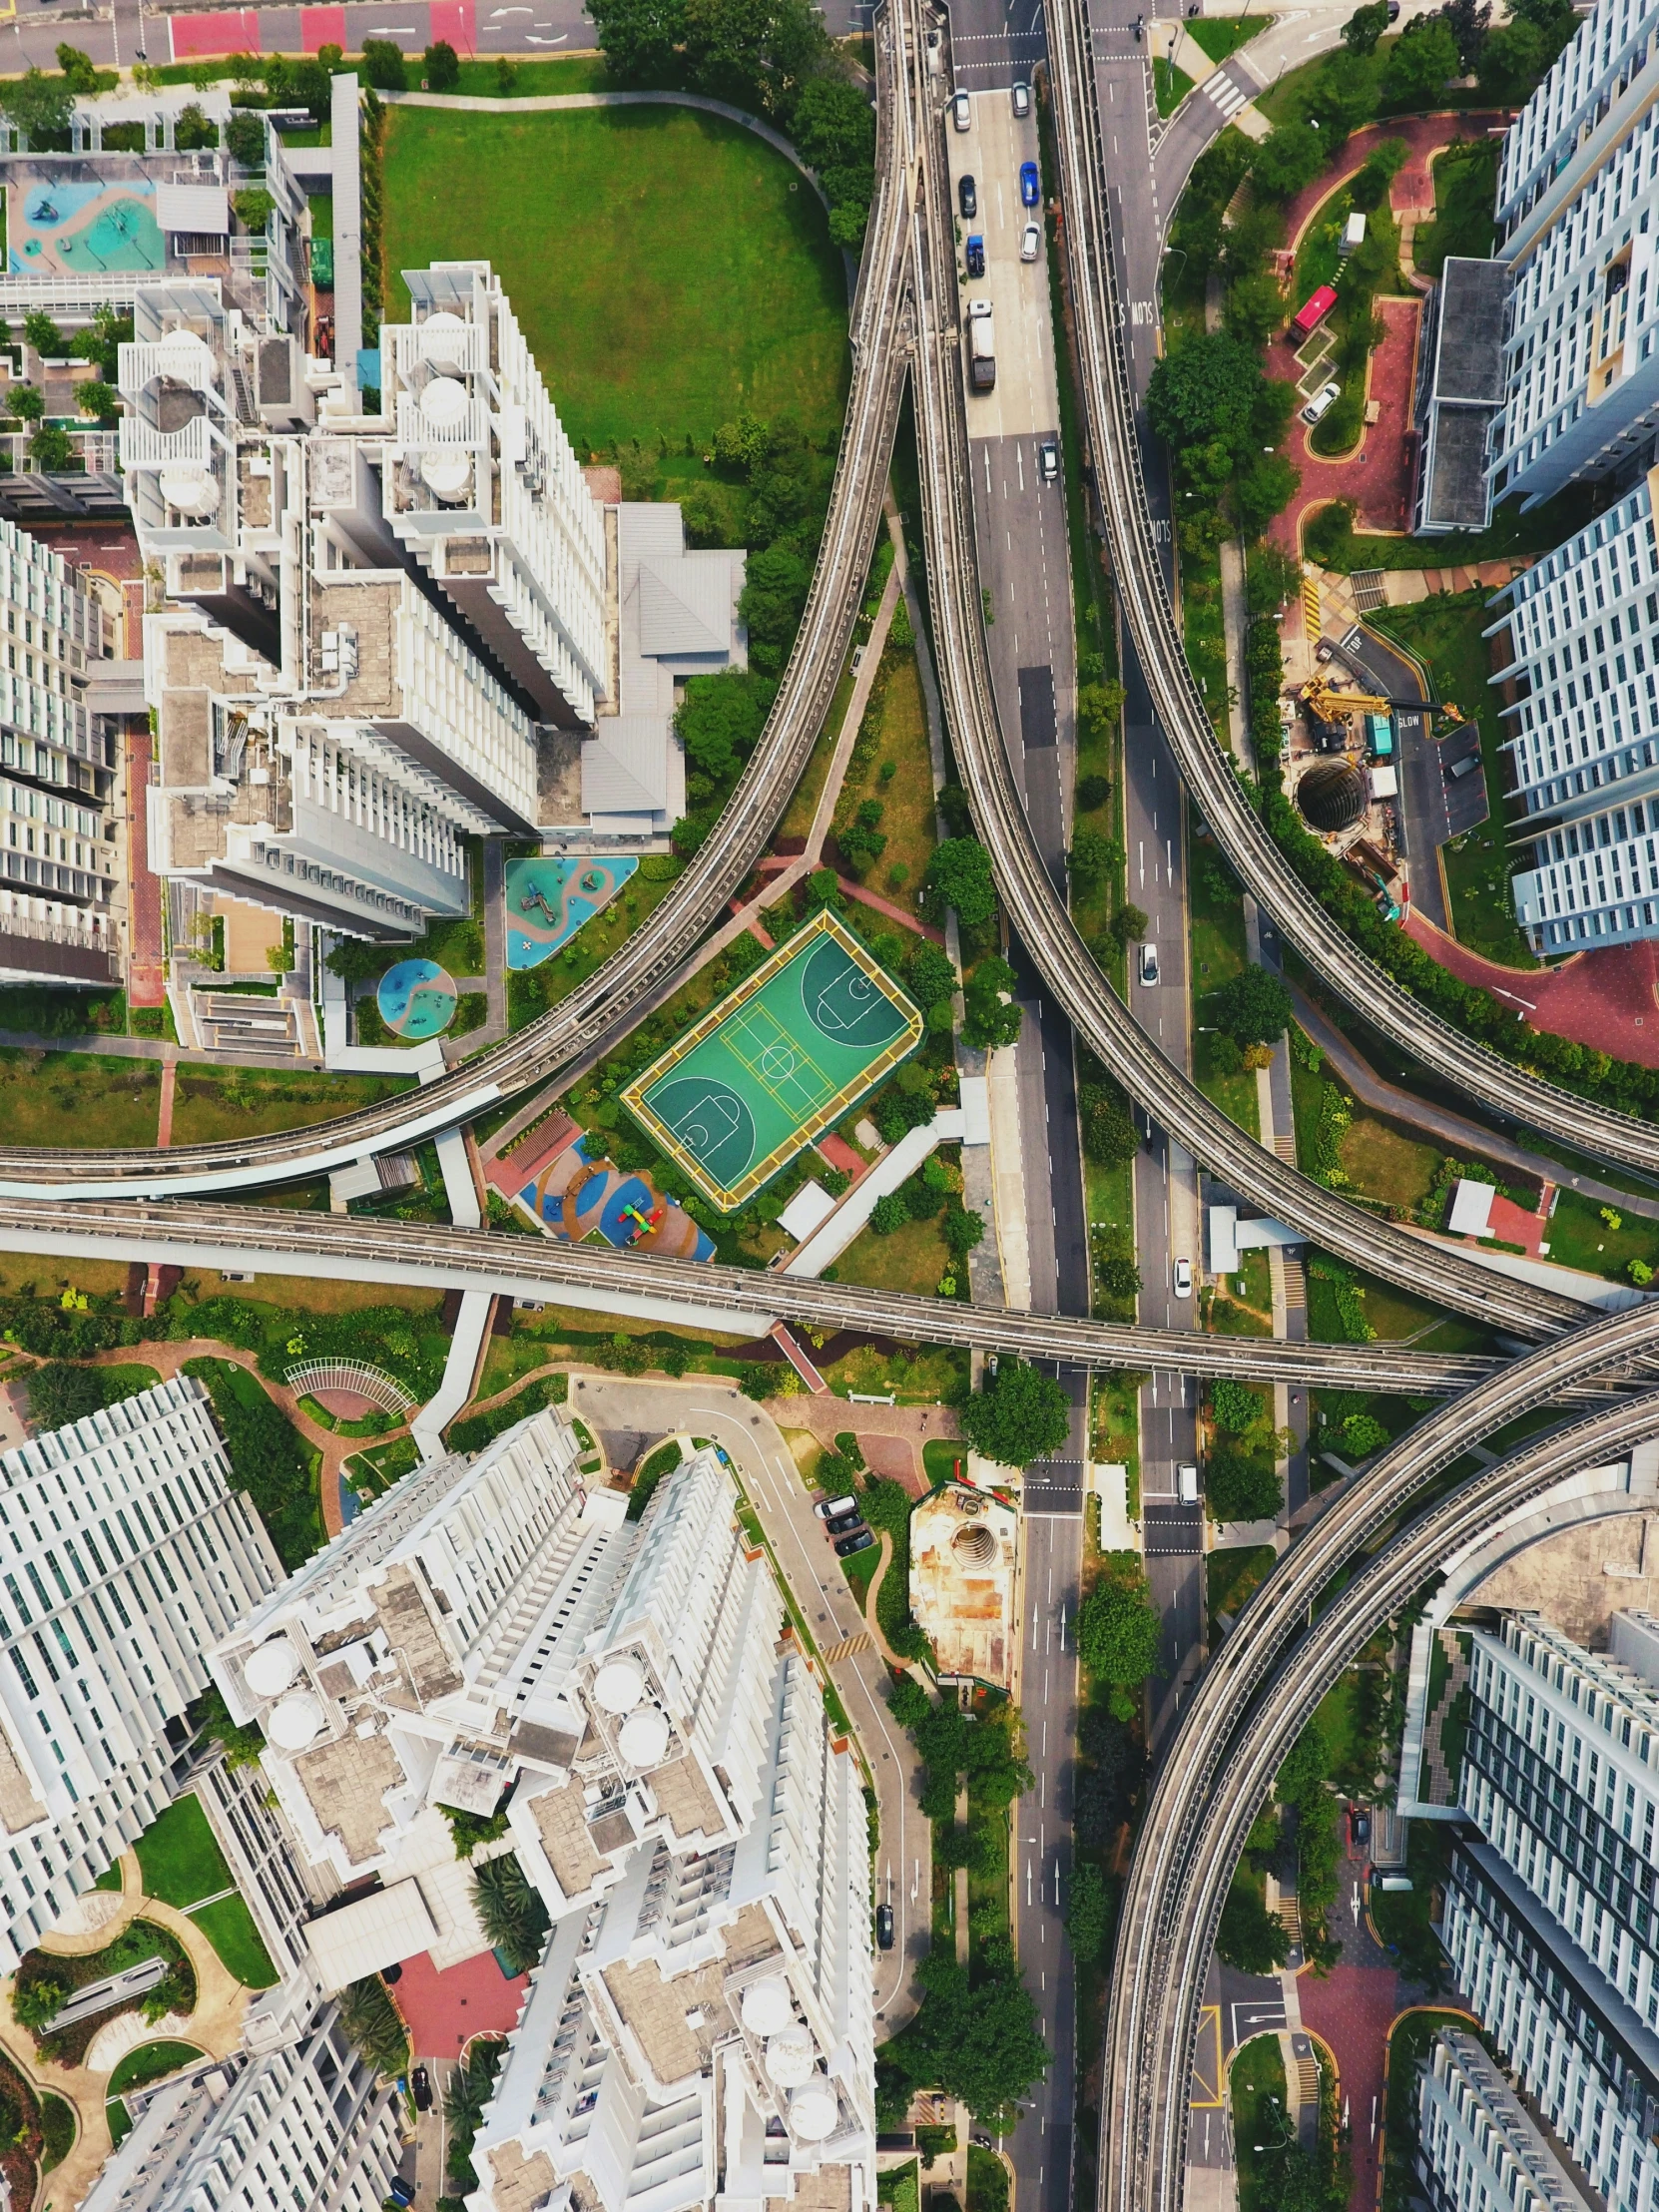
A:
(861, 1540)
(967, 197)
(420, 2081)
(1359, 1828)
(843, 1523)
(883, 1927)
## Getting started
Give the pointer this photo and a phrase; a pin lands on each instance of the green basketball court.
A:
(773, 1065)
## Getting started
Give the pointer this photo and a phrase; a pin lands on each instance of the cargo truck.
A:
(981, 345)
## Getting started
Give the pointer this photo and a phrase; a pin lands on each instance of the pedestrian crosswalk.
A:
(1295, 1283)
(1227, 96)
(847, 1650)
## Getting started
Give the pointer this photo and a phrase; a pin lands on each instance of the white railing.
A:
(180, 357)
(415, 431)
(145, 448)
(94, 449)
(353, 1377)
(70, 295)
(465, 347)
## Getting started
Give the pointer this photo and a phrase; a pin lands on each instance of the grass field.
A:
(1257, 2081)
(1444, 633)
(911, 1258)
(180, 1856)
(1219, 952)
(1231, 1577)
(1172, 85)
(775, 1063)
(70, 1098)
(668, 267)
(229, 1926)
(898, 776)
(1221, 35)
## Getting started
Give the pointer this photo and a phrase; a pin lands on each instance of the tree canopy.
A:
(1236, 1405)
(959, 876)
(1019, 1414)
(1418, 63)
(37, 105)
(978, 2040)
(1365, 27)
(1254, 1006)
(1203, 392)
(1251, 1937)
(1117, 1629)
(1242, 1486)
(721, 717)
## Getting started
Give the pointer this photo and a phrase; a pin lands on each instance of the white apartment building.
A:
(388, 614)
(295, 2118)
(1583, 629)
(1478, 2148)
(1578, 194)
(701, 2024)
(124, 1557)
(1550, 1916)
(57, 851)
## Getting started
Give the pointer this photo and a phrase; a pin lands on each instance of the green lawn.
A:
(668, 267)
(1219, 952)
(1465, 189)
(1221, 35)
(1257, 2081)
(1579, 1238)
(151, 2062)
(229, 1926)
(1444, 633)
(1232, 1577)
(180, 1856)
(1172, 85)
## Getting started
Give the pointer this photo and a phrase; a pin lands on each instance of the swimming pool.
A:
(416, 999)
(550, 897)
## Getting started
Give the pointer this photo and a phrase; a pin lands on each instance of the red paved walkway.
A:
(1350, 2009)
(445, 2011)
(146, 965)
(1608, 1000)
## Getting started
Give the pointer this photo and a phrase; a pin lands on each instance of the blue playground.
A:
(549, 898)
(416, 999)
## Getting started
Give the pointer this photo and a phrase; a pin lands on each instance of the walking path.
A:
(1608, 1000)
(146, 960)
(163, 1107)
(1383, 1097)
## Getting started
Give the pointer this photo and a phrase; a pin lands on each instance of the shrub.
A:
(245, 138)
(890, 1213)
(443, 67)
(385, 66)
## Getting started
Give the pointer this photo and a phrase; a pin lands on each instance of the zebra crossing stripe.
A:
(1225, 94)
(847, 1650)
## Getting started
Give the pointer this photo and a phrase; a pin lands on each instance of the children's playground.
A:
(549, 897)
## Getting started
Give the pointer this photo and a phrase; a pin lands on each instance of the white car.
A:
(960, 113)
(1030, 242)
(1048, 461)
(1183, 1277)
(1187, 1482)
(1022, 98)
(1149, 964)
(1322, 403)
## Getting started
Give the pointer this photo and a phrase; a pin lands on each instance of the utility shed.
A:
(1460, 387)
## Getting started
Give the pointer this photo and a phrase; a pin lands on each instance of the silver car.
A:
(1022, 98)
(1030, 242)
(960, 113)
(1048, 461)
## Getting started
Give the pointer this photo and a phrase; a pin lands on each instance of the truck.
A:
(981, 345)
(1311, 312)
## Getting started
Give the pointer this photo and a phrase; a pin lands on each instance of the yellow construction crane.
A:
(1326, 704)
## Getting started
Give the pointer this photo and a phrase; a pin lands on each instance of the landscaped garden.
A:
(182, 1866)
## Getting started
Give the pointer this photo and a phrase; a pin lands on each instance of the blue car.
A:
(1030, 192)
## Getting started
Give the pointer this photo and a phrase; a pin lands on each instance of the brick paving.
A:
(1608, 1000)
(145, 961)
(444, 2010)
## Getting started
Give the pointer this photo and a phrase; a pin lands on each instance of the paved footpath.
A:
(707, 1405)
(1608, 1000)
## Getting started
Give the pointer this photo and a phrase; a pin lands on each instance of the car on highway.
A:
(1358, 1827)
(975, 255)
(832, 1509)
(1181, 1276)
(1186, 1484)
(968, 196)
(844, 1523)
(1030, 192)
(1149, 964)
(420, 2084)
(1022, 98)
(960, 113)
(1048, 461)
(1030, 242)
(861, 1540)
(883, 1927)
(1322, 402)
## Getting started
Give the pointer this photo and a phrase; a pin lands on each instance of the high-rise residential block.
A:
(386, 615)
(125, 1555)
(1550, 1914)
(1578, 193)
(294, 2119)
(1478, 2148)
(702, 2021)
(1583, 659)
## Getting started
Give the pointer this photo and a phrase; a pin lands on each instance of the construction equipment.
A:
(1327, 704)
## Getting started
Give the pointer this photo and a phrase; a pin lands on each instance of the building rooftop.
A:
(1470, 366)
(1456, 490)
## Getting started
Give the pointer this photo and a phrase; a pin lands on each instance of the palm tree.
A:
(511, 1911)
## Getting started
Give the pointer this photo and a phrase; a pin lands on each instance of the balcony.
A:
(145, 448)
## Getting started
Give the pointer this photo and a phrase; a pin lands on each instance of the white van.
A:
(1322, 403)
(1187, 1481)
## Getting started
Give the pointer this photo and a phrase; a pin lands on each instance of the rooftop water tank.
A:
(814, 2110)
(790, 2057)
(619, 1685)
(767, 2007)
(269, 1671)
(643, 1736)
(295, 1721)
(443, 404)
(190, 491)
(447, 473)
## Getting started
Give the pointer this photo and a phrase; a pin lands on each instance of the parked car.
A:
(1149, 964)
(1358, 1827)
(883, 1927)
(844, 1523)
(1048, 461)
(1030, 192)
(1030, 242)
(1322, 402)
(399, 2191)
(832, 1509)
(968, 196)
(1183, 1278)
(1186, 1484)
(420, 2081)
(1022, 98)
(975, 255)
(862, 1541)
(980, 2138)
(961, 112)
